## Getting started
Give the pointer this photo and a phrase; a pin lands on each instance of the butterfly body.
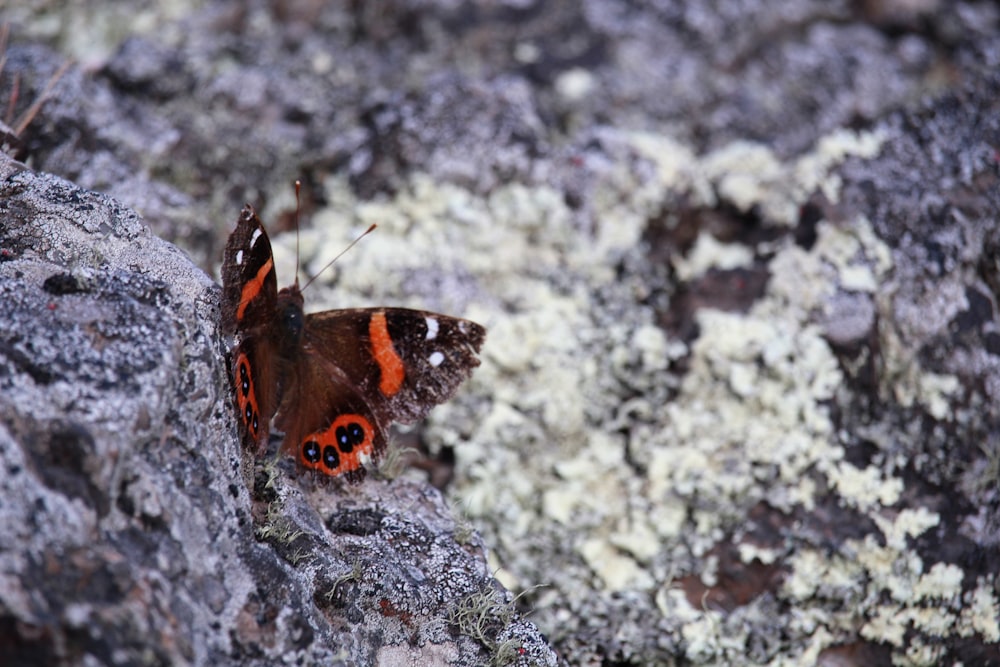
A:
(333, 381)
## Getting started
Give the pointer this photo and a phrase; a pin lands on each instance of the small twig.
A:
(14, 94)
(4, 32)
(32, 111)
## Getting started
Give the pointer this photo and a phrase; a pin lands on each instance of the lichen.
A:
(586, 449)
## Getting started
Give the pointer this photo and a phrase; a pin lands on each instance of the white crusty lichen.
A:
(747, 174)
(591, 468)
(709, 253)
(981, 612)
(864, 488)
(892, 593)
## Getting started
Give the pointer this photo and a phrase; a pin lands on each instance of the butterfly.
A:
(333, 381)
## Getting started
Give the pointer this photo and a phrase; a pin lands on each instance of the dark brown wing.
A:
(328, 424)
(249, 285)
(358, 371)
(255, 385)
(404, 362)
(249, 295)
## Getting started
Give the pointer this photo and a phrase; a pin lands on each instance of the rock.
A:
(737, 259)
(129, 534)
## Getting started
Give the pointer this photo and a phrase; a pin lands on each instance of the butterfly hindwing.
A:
(329, 425)
(252, 373)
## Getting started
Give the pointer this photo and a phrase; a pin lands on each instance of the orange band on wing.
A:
(252, 288)
(389, 363)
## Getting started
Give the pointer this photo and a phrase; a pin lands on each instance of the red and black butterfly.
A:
(334, 381)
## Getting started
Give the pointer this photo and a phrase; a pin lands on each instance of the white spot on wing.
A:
(239, 257)
(436, 359)
(432, 328)
(256, 235)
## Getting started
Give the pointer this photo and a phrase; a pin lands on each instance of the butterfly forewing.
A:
(249, 294)
(249, 284)
(403, 361)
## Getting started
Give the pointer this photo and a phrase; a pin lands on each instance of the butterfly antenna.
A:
(341, 253)
(298, 205)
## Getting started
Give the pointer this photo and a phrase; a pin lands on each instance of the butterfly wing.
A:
(249, 285)
(362, 369)
(341, 377)
(329, 425)
(249, 297)
(253, 376)
(406, 361)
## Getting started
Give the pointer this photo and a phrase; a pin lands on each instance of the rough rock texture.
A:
(740, 401)
(129, 535)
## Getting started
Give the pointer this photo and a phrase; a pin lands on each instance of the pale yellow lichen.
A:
(673, 604)
(932, 621)
(616, 570)
(813, 170)
(575, 84)
(934, 392)
(752, 552)
(507, 578)
(885, 625)
(892, 570)
(651, 343)
(864, 488)
(709, 253)
(674, 161)
(909, 384)
(942, 581)
(748, 174)
(800, 284)
(668, 516)
(591, 500)
(858, 278)
(910, 522)
(750, 420)
(918, 653)
(817, 641)
(559, 504)
(808, 569)
(981, 613)
(637, 538)
(701, 637)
